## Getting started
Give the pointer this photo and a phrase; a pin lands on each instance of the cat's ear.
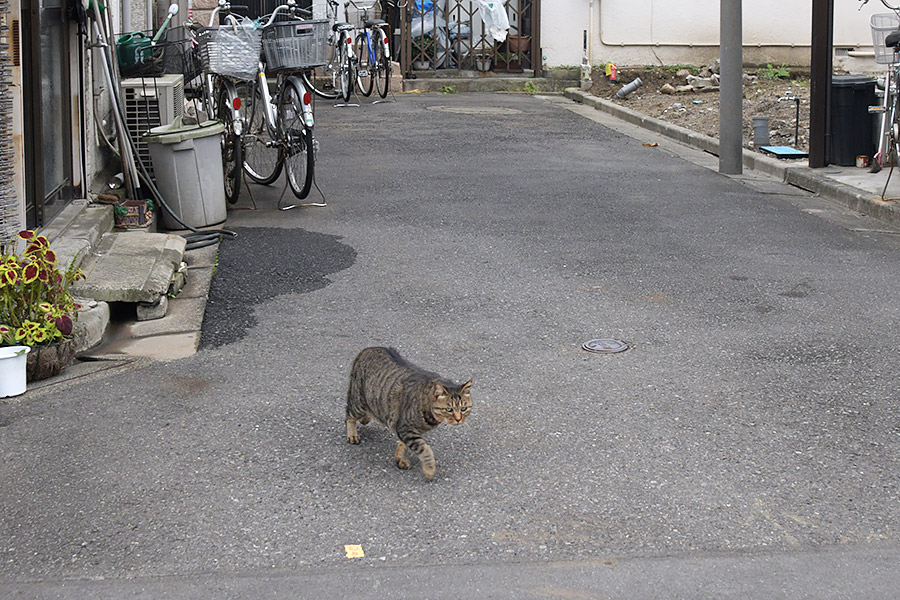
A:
(466, 389)
(440, 392)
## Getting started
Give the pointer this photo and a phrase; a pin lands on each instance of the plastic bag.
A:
(493, 14)
(234, 50)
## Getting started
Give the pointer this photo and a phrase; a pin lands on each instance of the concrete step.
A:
(76, 230)
(475, 83)
(132, 266)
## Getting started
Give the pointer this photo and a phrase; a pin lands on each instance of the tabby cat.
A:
(407, 399)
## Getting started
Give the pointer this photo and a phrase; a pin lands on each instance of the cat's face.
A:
(452, 407)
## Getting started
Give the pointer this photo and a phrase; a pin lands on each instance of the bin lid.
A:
(851, 80)
(177, 131)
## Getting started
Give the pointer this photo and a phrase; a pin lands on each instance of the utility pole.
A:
(731, 64)
(820, 81)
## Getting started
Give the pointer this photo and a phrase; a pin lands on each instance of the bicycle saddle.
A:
(892, 40)
(375, 23)
(342, 27)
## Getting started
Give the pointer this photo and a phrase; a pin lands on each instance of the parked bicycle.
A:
(373, 49)
(337, 77)
(278, 132)
(886, 43)
(230, 55)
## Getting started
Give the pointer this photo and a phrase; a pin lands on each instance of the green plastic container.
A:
(132, 49)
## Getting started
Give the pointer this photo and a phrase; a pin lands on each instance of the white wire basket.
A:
(296, 44)
(231, 51)
(360, 11)
(883, 24)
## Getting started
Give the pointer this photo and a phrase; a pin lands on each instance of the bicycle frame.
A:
(382, 39)
(262, 82)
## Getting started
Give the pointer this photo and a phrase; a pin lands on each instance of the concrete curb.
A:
(792, 173)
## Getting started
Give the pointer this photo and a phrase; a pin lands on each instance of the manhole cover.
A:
(477, 110)
(605, 346)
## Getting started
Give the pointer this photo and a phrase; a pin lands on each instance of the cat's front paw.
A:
(428, 472)
(403, 463)
(353, 439)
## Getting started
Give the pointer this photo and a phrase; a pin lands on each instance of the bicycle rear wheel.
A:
(262, 157)
(232, 157)
(366, 64)
(347, 73)
(382, 69)
(299, 151)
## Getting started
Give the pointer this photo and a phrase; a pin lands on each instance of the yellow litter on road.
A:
(354, 551)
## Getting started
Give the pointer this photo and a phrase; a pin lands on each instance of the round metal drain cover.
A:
(605, 346)
(477, 110)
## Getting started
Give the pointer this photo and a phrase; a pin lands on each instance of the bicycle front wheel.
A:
(366, 64)
(298, 144)
(322, 79)
(382, 69)
(262, 157)
(232, 157)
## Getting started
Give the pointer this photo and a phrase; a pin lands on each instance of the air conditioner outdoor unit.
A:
(150, 102)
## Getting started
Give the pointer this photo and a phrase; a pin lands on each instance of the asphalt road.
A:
(747, 445)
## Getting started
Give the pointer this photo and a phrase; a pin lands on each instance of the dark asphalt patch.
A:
(260, 264)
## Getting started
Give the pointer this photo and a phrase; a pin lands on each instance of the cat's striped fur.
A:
(407, 399)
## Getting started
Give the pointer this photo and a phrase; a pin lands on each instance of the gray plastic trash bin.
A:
(187, 162)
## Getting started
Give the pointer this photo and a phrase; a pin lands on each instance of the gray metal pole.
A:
(730, 88)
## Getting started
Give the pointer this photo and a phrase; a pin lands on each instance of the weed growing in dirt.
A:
(773, 72)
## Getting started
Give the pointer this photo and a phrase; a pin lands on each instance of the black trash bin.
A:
(851, 124)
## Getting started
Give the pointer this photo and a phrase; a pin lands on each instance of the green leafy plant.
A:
(530, 88)
(773, 72)
(448, 89)
(507, 57)
(35, 304)
(423, 47)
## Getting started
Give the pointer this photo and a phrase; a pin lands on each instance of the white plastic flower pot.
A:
(13, 360)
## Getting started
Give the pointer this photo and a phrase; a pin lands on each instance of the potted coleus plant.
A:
(36, 308)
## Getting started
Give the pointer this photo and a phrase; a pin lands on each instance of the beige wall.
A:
(636, 32)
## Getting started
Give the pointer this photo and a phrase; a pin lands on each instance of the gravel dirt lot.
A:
(699, 110)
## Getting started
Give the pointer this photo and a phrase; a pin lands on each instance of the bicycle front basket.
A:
(230, 51)
(883, 24)
(296, 44)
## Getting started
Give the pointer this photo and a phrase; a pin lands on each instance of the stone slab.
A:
(131, 267)
(157, 347)
(90, 324)
(184, 315)
(76, 230)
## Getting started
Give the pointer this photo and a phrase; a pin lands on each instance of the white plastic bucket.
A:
(13, 360)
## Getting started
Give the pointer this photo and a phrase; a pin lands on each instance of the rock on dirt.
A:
(672, 94)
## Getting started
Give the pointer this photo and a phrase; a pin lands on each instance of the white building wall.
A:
(644, 32)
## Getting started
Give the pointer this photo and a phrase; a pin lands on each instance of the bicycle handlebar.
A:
(361, 6)
(290, 6)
